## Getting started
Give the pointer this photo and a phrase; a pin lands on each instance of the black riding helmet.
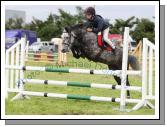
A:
(90, 10)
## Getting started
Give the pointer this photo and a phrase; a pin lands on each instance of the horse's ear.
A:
(67, 29)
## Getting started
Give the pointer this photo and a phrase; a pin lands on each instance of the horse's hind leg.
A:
(118, 79)
(128, 84)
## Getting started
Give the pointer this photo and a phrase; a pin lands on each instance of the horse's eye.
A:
(65, 36)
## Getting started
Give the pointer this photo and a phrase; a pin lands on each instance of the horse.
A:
(84, 44)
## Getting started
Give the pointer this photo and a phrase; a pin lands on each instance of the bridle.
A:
(69, 40)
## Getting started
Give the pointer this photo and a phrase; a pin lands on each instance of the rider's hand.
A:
(89, 29)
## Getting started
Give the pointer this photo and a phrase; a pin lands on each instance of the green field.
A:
(55, 106)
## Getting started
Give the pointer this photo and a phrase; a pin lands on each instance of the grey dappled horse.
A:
(84, 44)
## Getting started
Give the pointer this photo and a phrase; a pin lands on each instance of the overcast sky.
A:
(111, 12)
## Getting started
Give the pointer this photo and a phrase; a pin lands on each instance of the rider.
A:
(98, 24)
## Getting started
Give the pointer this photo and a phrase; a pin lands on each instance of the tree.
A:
(53, 26)
(66, 19)
(120, 24)
(144, 29)
(80, 18)
(14, 23)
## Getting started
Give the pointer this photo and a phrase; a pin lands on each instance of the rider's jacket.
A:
(98, 24)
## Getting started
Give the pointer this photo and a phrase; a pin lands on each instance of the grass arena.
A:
(77, 99)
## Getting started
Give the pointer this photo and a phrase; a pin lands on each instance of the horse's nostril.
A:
(63, 50)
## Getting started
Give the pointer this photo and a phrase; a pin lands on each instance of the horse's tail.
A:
(132, 60)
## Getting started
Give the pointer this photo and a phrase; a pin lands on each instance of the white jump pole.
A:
(124, 69)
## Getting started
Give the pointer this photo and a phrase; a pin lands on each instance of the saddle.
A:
(101, 43)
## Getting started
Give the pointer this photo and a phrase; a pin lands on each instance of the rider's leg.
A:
(106, 39)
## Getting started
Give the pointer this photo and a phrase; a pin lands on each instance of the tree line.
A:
(53, 26)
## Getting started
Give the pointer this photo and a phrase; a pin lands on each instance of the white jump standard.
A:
(15, 75)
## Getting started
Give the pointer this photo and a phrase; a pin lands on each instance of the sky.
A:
(111, 12)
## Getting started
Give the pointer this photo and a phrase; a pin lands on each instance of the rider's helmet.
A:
(90, 11)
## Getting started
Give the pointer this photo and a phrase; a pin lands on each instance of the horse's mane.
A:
(75, 27)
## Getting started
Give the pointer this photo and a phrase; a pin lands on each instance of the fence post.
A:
(17, 63)
(6, 75)
(144, 70)
(150, 70)
(12, 71)
(124, 69)
(22, 62)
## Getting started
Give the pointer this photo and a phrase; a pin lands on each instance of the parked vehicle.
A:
(117, 40)
(44, 46)
(12, 36)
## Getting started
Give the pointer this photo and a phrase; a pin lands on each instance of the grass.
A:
(55, 106)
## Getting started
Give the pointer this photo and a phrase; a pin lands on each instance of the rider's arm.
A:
(87, 24)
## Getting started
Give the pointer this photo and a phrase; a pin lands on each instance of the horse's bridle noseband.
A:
(70, 35)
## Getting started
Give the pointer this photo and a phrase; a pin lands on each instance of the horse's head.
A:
(68, 37)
